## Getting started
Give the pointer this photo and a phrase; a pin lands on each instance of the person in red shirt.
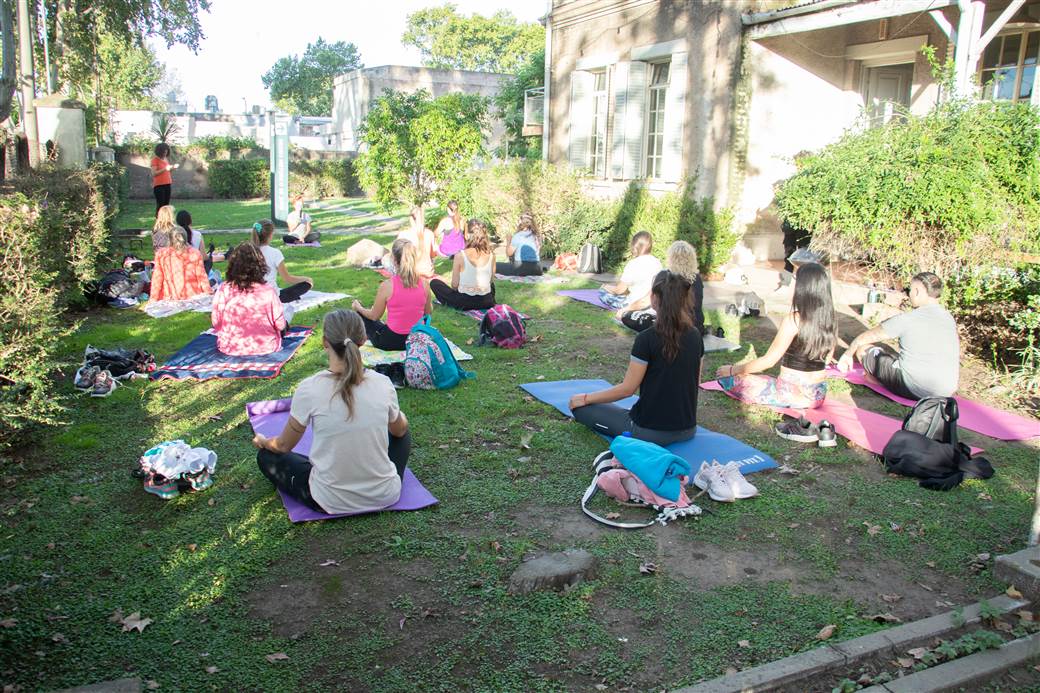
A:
(162, 181)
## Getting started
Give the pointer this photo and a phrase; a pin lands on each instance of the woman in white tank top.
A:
(471, 273)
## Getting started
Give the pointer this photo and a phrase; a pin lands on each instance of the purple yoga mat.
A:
(863, 427)
(590, 296)
(312, 244)
(269, 418)
(974, 416)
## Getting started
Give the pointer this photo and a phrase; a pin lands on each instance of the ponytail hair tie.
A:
(257, 227)
(347, 340)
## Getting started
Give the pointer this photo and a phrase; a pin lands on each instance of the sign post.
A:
(279, 168)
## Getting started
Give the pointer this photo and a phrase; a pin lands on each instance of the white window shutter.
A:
(674, 117)
(580, 119)
(635, 117)
(617, 140)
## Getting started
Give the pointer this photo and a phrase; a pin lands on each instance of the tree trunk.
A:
(28, 84)
(7, 71)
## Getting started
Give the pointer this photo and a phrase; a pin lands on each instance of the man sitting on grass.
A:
(928, 361)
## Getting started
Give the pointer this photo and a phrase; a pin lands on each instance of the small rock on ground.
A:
(554, 571)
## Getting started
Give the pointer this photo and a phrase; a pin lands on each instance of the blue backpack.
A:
(428, 361)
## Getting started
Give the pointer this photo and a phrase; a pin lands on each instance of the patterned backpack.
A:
(428, 361)
(503, 327)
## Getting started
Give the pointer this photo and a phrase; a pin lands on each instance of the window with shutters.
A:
(598, 135)
(658, 92)
(1009, 66)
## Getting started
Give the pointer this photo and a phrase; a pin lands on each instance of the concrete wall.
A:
(191, 180)
(66, 127)
(126, 125)
(352, 93)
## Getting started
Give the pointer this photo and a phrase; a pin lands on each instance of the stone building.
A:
(353, 92)
(659, 90)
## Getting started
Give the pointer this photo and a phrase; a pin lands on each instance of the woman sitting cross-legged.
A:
(664, 369)
(471, 274)
(297, 286)
(681, 258)
(524, 250)
(179, 271)
(361, 441)
(404, 297)
(248, 316)
(632, 291)
(803, 345)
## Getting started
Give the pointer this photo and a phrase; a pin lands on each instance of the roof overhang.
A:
(832, 13)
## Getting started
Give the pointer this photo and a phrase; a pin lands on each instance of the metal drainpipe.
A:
(547, 79)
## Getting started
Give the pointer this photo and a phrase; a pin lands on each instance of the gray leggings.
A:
(611, 421)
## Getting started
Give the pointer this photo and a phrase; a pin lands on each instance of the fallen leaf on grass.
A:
(612, 516)
(216, 417)
(743, 643)
(1013, 593)
(600, 687)
(276, 657)
(8, 623)
(1026, 615)
(1003, 626)
(917, 652)
(786, 469)
(327, 563)
(400, 624)
(117, 616)
(982, 557)
(135, 622)
(647, 568)
(541, 377)
(469, 342)
(523, 460)
(925, 587)
(78, 499)
(885, 618)
(905, 662)
(891, 598)
(984, 496)
(525, 441)
(51, 546)
(930, 564)
(872, 530)
(536, 338)
(59, 638)
(895, 527)
(212, 670)
(193, 548)
(151, 685)
(211, 502)
(826, 632)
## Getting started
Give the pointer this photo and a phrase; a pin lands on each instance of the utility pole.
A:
(28, 83)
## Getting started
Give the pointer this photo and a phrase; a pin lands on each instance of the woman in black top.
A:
(803, 345)
(664, 368)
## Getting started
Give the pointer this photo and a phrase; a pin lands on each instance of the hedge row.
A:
(54, 238)
(568, 218)
(248, 178)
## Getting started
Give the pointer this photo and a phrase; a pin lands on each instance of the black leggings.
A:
(638, 320)
(311, 237)
(519, 269)
(291, 293)
(291, 472)
(611, 420)
(162, 196)
(382, 337)
(880, 361)
(460, 301)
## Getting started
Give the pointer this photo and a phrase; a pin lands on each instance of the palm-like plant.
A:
(165, 127)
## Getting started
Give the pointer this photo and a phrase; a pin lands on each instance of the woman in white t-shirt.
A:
(263, 230)
(360, 435)
(632, 292)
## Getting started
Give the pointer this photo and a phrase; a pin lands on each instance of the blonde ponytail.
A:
(261, 232)
(345, 332)
(404, 254)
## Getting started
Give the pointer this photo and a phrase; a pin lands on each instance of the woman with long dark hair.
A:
(162, 181)
(247, 315)
(664, 369)
(471, 287)
(803, 345)
(361, 440)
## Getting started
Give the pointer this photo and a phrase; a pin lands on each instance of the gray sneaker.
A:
(84, 379)
(104, 384)
(800, 431)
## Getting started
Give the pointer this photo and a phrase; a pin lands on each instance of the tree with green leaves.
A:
(509, 102)
(416, 145)
(303, 85)
(450, 40)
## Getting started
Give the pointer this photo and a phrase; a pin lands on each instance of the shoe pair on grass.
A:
(98, 382)
(723, 482)
(804, 431)
(166, 489)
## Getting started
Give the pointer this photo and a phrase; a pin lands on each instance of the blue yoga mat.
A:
(200, 359)
(705, 446)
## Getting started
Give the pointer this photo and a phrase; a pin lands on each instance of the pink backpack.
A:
(503, 327)
(625, 487)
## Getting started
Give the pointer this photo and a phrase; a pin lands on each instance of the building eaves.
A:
(805, 7)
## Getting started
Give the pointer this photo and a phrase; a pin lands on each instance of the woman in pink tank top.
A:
(404, 297)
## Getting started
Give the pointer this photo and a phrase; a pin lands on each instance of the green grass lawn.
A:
(419, 601)
(342, 212)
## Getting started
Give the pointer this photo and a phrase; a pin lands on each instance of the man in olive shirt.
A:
(928, 361)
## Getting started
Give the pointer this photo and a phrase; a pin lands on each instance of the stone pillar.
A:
(62, 121)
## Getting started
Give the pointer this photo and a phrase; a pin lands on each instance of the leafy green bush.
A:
(114, 183)
(316, 179)
(240, 178)
(29, 318)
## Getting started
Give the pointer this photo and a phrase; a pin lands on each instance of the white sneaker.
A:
(737, 483)
(709, 478)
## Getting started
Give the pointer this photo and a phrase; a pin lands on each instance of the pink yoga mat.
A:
(269, 418)
(989, 421)
(865, 428)
(590, 296)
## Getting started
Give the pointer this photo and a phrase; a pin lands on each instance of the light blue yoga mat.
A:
(705, 446)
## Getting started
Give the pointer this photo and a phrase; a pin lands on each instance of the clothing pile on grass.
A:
(174, 467)
(103, 368)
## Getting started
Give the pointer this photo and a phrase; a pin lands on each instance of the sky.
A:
(244, 38)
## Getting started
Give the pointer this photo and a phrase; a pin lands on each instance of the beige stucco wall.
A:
(353, 92)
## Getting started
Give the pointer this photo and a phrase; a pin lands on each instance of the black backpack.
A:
(934, 418)
(589, 259)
